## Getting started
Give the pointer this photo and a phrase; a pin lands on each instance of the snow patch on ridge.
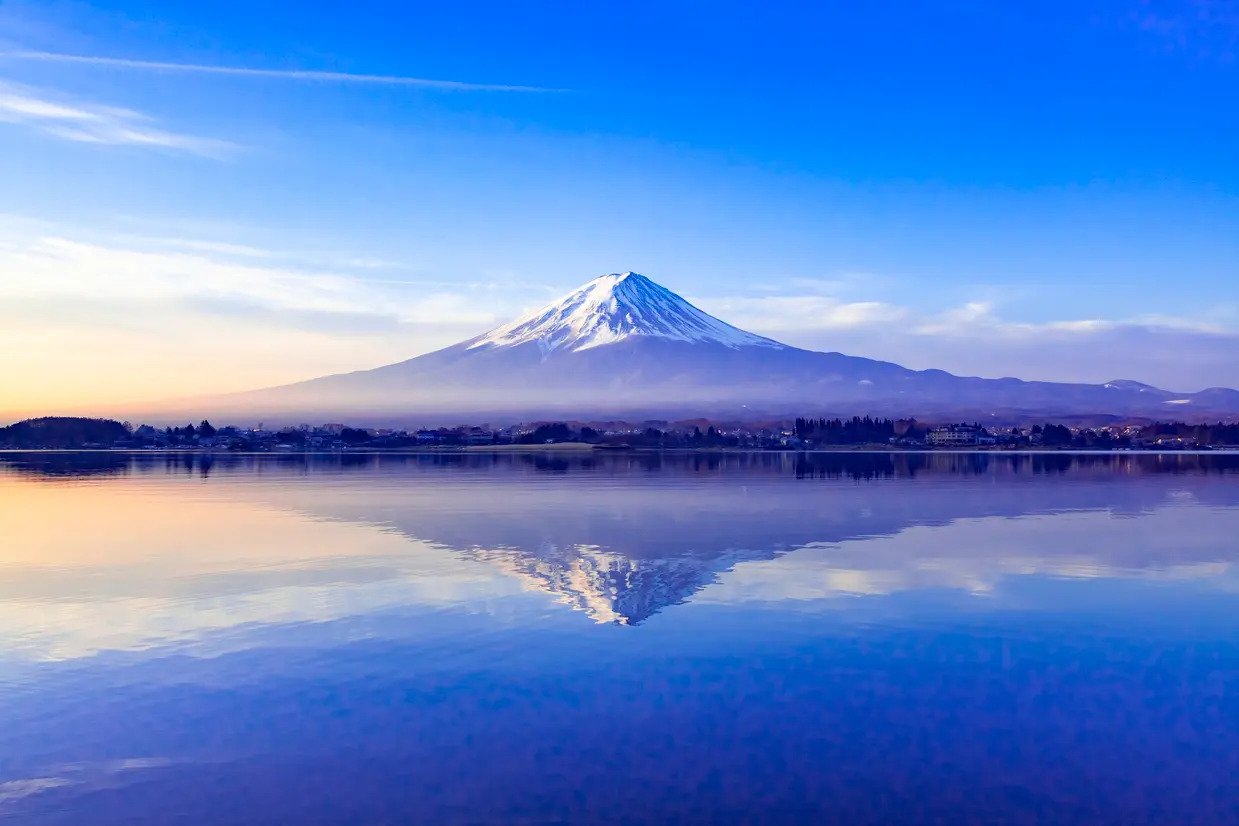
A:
(615, 307)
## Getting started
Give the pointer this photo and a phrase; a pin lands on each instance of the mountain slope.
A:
(622, 344)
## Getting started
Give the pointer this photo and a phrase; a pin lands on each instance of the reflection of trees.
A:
(59, 465)
(858, 465)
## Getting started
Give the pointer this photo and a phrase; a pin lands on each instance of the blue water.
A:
(625, 638)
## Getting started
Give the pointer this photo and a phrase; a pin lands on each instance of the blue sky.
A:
(1044, 190)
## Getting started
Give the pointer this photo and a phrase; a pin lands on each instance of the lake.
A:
(622, 638)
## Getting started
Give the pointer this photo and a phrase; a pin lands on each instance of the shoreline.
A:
(578, 448)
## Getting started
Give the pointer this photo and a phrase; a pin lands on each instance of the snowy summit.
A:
(615, 307)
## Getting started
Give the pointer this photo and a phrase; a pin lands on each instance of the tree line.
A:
(854, 431)
(58, 432)
(69, 432)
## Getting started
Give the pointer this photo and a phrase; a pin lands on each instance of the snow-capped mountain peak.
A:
(615, 307)
(622, 345)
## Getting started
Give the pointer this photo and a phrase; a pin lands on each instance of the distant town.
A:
(76, 433)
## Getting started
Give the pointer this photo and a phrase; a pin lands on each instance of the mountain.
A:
(624, 345)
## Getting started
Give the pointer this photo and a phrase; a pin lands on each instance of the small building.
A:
(1171, 442)
(957, 435)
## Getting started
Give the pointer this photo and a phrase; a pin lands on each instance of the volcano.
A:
(623, 345)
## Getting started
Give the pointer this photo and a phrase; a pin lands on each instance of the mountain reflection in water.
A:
(622, 537)
(635, 638)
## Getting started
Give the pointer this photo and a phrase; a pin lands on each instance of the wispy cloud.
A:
(228, 249)
(1206, 29)
(981, 319)
(207, 277)
(97, 124)
(136, 315)
(977, 338)
(285, 74)
(11, 790)
(776, 314)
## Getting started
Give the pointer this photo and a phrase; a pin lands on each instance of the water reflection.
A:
(856, 465)
(859, 638)
(180, 545)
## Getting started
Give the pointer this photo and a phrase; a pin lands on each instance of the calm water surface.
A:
(850, 638)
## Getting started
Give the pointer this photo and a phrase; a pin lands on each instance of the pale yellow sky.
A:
(87, 326)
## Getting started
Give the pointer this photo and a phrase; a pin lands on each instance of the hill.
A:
(62, 432)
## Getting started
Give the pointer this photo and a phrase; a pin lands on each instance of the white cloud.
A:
(819, 313)
(227, 249)
(772, 314)
(219, 247)
(85, 323)
(975, 338)
(957, 319)
(981, 318)
(12, 790)
(59, 268)
(1175, 323)
(1090, 325)
(283, 74)
(97, 124)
